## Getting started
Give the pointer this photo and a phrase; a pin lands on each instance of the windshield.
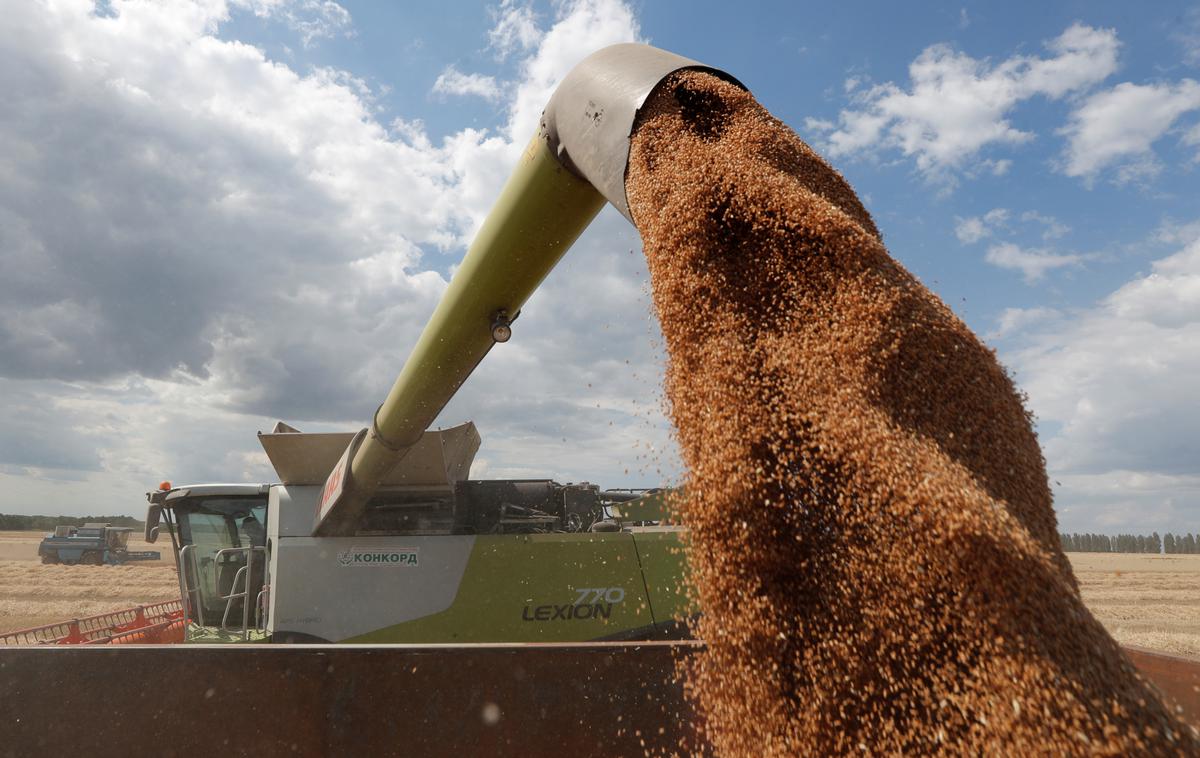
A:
(208, 526)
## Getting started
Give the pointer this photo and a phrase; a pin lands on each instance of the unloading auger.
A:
(573, 165)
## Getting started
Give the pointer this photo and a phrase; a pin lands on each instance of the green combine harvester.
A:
(436, 557)
(381, 536)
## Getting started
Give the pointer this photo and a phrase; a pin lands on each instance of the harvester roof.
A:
(216, 490)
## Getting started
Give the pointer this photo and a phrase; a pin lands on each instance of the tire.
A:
(49, 559)
(92, 558)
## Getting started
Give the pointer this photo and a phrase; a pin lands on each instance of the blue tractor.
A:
(93, 544)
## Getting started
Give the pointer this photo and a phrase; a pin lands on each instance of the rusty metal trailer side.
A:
(607, 699)
(595, 699)
(1176, 677)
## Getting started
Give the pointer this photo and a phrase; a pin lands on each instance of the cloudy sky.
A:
(219, 213)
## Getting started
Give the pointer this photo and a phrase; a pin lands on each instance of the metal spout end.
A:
(591, 114)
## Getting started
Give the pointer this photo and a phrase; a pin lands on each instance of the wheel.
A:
(49, 559)
(92, 558)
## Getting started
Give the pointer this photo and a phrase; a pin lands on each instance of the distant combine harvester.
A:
(92, 544)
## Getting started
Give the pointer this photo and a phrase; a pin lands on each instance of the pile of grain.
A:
(871, 534)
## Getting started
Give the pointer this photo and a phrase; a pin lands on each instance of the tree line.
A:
(16, 522)
(1131, 543)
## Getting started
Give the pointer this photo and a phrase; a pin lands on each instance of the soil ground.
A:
(1151, 601)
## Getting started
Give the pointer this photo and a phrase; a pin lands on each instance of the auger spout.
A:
(574, 164)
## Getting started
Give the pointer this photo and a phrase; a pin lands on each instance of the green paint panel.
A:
(538, 588)
(664, 567)
(649, 507)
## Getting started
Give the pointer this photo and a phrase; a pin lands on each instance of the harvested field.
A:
(1150, 601)
(32, 594)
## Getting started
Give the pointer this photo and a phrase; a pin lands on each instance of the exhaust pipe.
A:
(572, 166)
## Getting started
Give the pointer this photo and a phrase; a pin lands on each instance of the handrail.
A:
(244, 574)
(185, 591)
(262, 610)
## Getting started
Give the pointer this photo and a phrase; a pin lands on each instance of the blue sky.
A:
(216, 213)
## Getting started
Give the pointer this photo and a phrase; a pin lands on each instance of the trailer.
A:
(93, 545)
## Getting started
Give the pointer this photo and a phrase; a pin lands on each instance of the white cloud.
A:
(818, 124)
(1116, 386)
(997, 167)
(974, 228)
(1014, 320)
(1052, 227)
(997, 216)
(312, 19)
(956, 105)
(600, 22)
(208, 239)
(1168, 297)
(515, 29)
(1187, 35)
(1191, 137)
(1172, 232)
(1032, 263)
(1120, 500)
(971, 230)
(454, 82)
(1120, 125)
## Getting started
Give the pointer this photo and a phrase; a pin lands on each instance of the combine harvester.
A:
(92, 544)
(520, 615)
(431, 557)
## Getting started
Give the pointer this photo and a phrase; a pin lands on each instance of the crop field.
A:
(32, 594)
(1151, 601)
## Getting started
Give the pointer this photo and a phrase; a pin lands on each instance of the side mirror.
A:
(153, 514)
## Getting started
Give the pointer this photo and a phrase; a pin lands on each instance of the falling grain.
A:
(872, 540)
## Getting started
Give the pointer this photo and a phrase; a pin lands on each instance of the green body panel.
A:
(664, 568)
(649, 507)
(551, 588)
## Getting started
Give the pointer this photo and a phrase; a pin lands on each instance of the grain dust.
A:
(872, 541)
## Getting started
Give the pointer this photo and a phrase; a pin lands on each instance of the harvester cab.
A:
(221, 555)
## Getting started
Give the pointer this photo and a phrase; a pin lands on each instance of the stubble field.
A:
(1151, 601)
(32, 594)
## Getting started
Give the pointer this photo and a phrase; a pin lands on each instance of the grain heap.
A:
(871, 534)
